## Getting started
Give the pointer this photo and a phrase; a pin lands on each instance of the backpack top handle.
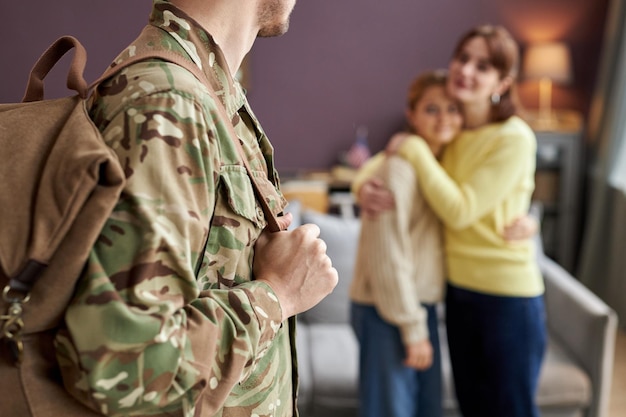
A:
(75, 79)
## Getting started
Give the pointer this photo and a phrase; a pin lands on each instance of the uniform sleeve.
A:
(141, 337)
(459, 204)
(392, 262)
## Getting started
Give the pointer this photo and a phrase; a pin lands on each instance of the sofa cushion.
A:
(342, 237)
(334, 364)
(562, 382)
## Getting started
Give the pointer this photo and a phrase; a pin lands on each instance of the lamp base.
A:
(556, 120)
(544, 123)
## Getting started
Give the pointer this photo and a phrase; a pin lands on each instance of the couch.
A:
(575, 378)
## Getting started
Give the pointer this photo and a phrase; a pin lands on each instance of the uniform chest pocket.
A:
(236, 223)
(239, 195)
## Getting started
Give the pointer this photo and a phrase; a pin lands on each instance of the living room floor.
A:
(617, 407)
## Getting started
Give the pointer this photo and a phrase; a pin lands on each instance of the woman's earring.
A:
(495, 99)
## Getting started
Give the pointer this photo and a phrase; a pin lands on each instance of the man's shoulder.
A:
(157, 84)
(153, 76)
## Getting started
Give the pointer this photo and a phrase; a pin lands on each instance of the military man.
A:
(183, 304)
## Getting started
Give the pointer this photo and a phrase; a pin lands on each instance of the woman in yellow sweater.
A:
(494, 298)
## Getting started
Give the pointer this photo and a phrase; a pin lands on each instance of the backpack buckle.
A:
(12, 329)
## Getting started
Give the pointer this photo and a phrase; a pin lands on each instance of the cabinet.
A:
(558, 188)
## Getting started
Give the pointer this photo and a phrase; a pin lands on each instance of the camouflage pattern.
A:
(144, 335)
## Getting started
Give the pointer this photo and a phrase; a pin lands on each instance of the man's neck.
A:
(231, 23)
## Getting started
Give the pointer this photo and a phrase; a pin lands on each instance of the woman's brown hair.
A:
(505, 57)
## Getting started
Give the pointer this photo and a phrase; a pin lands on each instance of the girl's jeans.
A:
(387, 388)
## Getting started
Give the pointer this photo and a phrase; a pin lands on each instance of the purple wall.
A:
(103, 27)
(342, 64)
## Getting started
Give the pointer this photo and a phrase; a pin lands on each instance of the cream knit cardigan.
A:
(399, 261)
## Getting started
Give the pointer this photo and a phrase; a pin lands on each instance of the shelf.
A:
(558, 188)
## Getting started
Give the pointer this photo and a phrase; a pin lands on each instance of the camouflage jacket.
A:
(167, 319)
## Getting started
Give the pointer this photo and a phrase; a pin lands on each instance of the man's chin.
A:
(273, 31)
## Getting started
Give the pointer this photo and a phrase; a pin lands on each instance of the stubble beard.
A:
(269, 14)
(273, 30)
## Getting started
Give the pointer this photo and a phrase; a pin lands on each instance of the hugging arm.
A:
(459, 204)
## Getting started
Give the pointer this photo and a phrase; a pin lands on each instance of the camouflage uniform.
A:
(145, 334)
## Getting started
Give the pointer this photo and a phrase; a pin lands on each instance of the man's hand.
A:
(374, 197)
(295, 264)
(419, 355)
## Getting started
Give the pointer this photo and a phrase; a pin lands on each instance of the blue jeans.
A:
(387, 388)
(496, 346)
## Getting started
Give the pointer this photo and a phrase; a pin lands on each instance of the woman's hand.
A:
(373, 197)
(521, 228)
(395, 142)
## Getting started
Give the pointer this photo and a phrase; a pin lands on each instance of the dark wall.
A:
(342, 64)
(29, 27)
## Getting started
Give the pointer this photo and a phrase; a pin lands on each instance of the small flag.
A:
(359, 152)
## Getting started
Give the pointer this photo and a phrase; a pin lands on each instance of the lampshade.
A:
(548, 60)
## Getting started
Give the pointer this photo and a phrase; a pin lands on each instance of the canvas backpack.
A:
(59, 183)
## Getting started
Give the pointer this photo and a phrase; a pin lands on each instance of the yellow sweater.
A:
(485, 180)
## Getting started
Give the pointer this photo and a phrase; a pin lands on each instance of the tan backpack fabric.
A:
(59, 183)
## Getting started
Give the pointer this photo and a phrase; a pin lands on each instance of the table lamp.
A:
(547, 62)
